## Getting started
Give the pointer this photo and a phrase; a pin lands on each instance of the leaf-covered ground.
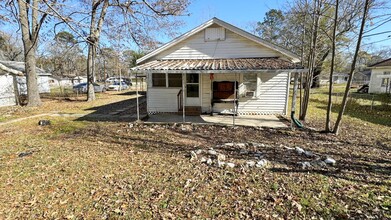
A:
(94, 170)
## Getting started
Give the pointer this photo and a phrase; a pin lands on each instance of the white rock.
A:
(199, 151)
(261, 163)
(305, 165)
(212, 152)
(299, 150)
(230, 165)
(241, 145)
(330, 161)
(209, 161)
(193, 156)
(220, 163)
(221, 157)
(203, 160)
(250, 163)
(229, 144)
(308, 154)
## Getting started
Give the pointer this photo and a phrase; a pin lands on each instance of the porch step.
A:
(191, 110)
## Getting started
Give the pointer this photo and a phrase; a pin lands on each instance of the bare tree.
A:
(353, 66)
(329, 104)
(31, 15)
(136, 20)
(10, 47)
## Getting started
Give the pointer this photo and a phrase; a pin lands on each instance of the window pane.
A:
(192, 78)
(174, 80)
(385, 82)
(192, 91)
(159, 79)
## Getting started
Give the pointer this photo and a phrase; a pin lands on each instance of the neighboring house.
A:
(79, 79)
(55, 81)
(362, 77)
(380, 81)
(339, 78)
(8, 82)
(203, 68)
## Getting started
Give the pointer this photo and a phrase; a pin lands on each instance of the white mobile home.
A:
(218, 67)
(380, 81)
(7, 82)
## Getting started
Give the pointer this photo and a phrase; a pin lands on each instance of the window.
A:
(249, 84)
(385, 82)
(387, 73)
(158, 79)
(192, 90)
(192, 78)
(174, 80)
(192, 85)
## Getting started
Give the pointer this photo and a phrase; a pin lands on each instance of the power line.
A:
(384, 32)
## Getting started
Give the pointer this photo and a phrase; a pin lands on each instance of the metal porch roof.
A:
(252, 64)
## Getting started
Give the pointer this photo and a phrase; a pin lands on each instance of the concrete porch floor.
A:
(271, 121)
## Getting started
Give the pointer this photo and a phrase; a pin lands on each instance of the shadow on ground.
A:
(122, 111)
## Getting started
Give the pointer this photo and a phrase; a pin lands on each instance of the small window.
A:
(385, 82)
(387, 73)
(158, 79)
(174, 80)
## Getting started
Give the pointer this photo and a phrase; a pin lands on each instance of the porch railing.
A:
(180, 99)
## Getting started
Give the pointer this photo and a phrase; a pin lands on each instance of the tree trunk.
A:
(30, 40)
(90, 72)
(312, 59)
(329, 104)
(33, 98)
(347, 89)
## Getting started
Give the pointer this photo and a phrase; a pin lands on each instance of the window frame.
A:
(180, 80)
(385, 82)
(159, 86)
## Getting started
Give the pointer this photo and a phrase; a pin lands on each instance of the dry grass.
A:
(110, 170)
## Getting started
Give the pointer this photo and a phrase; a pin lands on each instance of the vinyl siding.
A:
(7, 96)
(162, 99)
(271, 98)
(375, 81)
(234, 46)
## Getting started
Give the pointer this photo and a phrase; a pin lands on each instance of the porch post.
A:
(183, 98)
(138, 107)
(235, 110)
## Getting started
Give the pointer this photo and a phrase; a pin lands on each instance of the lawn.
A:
(81, 169)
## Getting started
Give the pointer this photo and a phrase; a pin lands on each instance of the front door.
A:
(192, 89)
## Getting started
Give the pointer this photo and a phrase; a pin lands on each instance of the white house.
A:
(79, 79)
(55, 81)
(218, 67)
(380, 81)
(7, 82)
(339, 78)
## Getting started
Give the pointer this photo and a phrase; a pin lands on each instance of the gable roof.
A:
(227, 26)
(19, 66)
(382, 63)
